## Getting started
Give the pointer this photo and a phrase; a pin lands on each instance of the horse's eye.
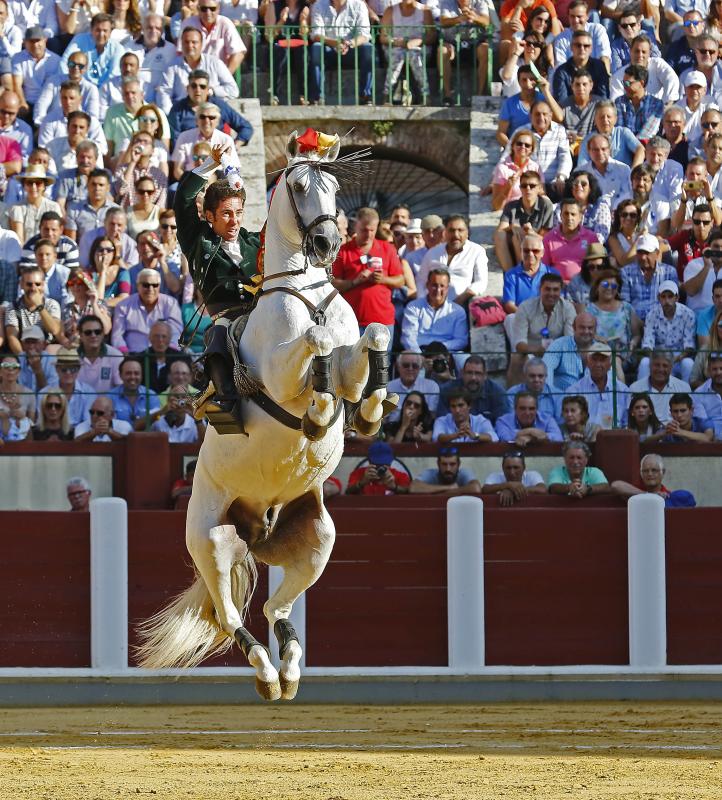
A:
(297, 186)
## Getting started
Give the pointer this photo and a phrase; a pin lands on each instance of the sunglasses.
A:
(147, 118)
(706, 52)
(68, 369)
(629, 81)
(531, 43)
(628, 25)
(530, 250)
(583, 45)
(701, 221)
(584, 184)
(629, 215)
(76, 65)
(34, 182)
(523, 144)
(609, 285)
(197, 85)
(9, 365)
(146, 285)
(54, 405)
(208, 8)
(105, 250)
(92, 332)
(94, 412)
(167, 227)
(207, 116)
(144, 191)
(708, 125)
(528, 185)
(690, 23)
(74, 282)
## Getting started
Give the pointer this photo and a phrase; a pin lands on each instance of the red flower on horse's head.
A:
(307, 141)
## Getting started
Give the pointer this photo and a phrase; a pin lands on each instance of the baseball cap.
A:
(414, 226)
(601, 348)
(668, 286)
(431, 222)
(380, 453)
(33, 332)
(695, 78)
(647, 243)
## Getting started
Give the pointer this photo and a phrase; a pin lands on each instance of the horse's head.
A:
(311, 194)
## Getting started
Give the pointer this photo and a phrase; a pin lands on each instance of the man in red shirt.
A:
(366, 272)
(689, 243)
(378, 478)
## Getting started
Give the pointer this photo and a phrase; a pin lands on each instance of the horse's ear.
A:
(292, 145)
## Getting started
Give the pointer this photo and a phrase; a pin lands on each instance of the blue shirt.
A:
(706, 397)
(101, 66)
(643, 121)
(638, 292)
(548, 401)
(699, 425)
(520, 286)
(620, 53)
(490, 400)
(516, 112)
(705, 318)
(508, 426)
(564, 364)
(601, 404)
(623, 144)
(131, 411)
(477, 423)
(182, 117)
(423, 324)
(27, 376)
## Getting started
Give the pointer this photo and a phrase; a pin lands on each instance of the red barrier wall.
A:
(45, 579)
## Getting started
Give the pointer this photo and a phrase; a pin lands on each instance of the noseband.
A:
(305, 230)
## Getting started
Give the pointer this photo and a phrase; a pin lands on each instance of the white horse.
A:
(260, 496)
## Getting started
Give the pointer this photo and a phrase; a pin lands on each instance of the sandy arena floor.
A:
(586, 751)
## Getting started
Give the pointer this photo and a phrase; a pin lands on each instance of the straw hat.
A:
(36, 172)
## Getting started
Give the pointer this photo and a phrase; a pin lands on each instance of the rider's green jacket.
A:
(212, 269)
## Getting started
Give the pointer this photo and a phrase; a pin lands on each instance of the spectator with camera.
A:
(487, 396)
(379, 477)
(460, 425)
(514, 481)
(84, 301)
(434, 318)
(701, 274)
(525, 425)
(178, 422)
(448, 477)
(439, 365)
(575, 478)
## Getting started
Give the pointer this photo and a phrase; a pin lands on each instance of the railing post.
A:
(465, 582)
(647, 581)
(109, 583)
(297, 618)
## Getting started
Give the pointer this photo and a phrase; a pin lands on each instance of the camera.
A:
(381, 470)
(439, 365)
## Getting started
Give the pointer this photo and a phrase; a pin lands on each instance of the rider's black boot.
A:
(224, 413)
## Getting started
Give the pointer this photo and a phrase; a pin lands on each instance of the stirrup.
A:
(200, 401)
(224, 422)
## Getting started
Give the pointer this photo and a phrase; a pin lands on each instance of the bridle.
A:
(305, 230)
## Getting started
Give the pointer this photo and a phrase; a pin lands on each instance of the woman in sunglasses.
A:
(135, 163)
(85, 301)
(150, 119)
(505, 180)
(597, 215)
(579, 287)
(415, 423)
(53, 424)
(617, 322)
(625, 230)
(145, 212)
(208, 118)
(112, 279)
(17, 402)
(531, 49)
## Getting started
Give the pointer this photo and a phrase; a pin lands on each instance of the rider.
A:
(222, 257)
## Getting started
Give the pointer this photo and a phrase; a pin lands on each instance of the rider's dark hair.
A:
(219, 191)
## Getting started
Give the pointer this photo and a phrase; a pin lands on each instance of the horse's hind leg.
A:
(216, 554)
(301, 543)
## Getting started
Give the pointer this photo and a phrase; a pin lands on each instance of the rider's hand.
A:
(218, 150)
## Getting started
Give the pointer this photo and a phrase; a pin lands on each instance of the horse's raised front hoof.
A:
(289, 688)
(270, 690)
(311, 430)
(390, 403)
(363, 426)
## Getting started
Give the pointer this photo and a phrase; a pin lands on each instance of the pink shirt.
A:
(222, 40)
(566, 255)
(506, 168)
(9, 150)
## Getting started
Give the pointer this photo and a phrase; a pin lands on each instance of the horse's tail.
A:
(186, 631)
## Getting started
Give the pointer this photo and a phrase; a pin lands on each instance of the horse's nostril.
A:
(321, 244)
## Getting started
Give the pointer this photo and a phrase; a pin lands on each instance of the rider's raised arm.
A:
(190, 225)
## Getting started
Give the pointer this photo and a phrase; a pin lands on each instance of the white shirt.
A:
(56, 127)
(703, 298)
(186, 432)
(468, 269)
(175, 82)
(660, 398)
(663, 81)
(34, 74)
(529, 478)
(153, 64)
(119, 426)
